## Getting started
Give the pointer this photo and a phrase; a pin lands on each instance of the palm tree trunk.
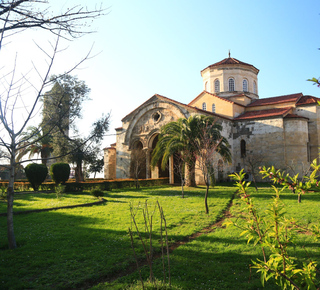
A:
(191, 178)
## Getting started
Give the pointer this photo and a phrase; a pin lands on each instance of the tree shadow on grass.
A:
(64, 248)
(201, 192)
(208, 262)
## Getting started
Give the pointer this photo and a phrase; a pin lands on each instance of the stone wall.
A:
(264, 140)
(313, 114)
(280, 142)
(296, 145)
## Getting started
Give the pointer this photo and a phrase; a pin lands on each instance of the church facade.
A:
(282, 131)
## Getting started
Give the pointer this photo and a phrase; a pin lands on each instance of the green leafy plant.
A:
(59, 190)
(275, 233)
(3, 193)
(97, 192)
(298, 185)
(36, 174)
(60, 172)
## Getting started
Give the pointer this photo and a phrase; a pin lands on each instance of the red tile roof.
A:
(230, 61)
(306, 100)
(197, 97)
(295, 116)
(176, 102)
(264, 114)
(276, 100)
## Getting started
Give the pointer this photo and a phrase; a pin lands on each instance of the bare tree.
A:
(179, 168)
(17, 16)
(137, 164)
(210, 147)
(252, 162)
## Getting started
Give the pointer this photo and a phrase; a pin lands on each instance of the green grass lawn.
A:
(67, 248)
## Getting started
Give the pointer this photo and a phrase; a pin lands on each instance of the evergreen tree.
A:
(62, 107)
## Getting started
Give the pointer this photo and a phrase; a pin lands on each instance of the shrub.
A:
(60, 172)
(97, 192)
(36, 174)
(60, 189)
(3, 193)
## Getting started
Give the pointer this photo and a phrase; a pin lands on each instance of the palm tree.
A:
(179, 137)
(34, 141)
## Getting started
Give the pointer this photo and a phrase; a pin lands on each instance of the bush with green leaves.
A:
(59, 190)
(36, 174)
(97, 192)
(60, 172)
(275, 233)
(3, 192)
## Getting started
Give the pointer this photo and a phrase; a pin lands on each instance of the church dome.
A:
(230, 77)
(231, 61)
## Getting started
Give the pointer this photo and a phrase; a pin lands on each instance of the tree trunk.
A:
(44, 158)
(299, 198)
(206, 199)
(10, 198)
(78, 172)
(191, 178)
(182, 184)
(254, 181)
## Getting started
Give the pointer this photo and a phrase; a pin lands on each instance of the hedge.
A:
(101, 184)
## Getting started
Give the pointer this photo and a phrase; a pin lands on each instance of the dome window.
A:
(216, 86)
(245, 85)
(254, 87)
(231, 85)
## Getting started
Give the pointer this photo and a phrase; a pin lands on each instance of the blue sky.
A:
(160, 47)
(147, 47)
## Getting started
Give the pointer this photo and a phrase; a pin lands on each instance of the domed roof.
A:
(230, 61)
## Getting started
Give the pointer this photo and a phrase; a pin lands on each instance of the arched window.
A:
(243, 148)
(216, 86)
(213, 108)
(245, 85)
(231, 85)
(206, 86)
(204, 106)
(254, 87)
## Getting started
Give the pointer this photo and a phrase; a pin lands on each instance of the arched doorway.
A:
(161, 172)
(138, 161)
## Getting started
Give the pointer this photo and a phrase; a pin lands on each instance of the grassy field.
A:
(84, 246)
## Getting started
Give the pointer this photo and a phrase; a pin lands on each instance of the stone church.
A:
(280, 131)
